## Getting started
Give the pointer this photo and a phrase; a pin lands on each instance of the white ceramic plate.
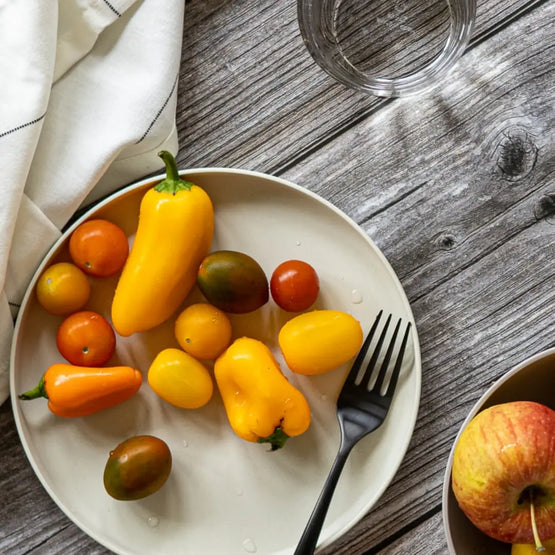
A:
(225, 495)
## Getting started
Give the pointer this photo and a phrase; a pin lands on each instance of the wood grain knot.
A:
(446, 241)
(516, 153)
(545, 208)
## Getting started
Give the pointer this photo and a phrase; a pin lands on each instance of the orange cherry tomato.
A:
(86, 339)
(63, 288)
(294, 285)
(99, 248)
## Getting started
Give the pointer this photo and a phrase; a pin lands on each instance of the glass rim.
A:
(339, 67)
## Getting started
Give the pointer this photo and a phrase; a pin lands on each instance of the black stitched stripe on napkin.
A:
(112, 8)
(159, 111)
(23, 125)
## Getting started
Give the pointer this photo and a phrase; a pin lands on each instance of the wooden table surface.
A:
(456, 187)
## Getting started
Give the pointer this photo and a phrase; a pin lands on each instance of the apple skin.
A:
(503, 450)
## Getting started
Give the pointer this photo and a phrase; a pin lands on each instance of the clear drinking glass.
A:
(387, 47)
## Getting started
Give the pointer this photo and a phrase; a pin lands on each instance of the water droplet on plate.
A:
(185, 443)
(356, 296)
(249, 546)
(239, 491)
(298, 243)
(153, 521)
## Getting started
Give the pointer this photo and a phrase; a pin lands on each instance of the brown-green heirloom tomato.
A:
(233, 282)
(137, 467)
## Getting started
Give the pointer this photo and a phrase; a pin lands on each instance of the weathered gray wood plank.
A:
(456, 188)
(425, 539)
(251, 95)
(462, 205)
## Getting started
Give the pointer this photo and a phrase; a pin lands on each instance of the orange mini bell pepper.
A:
(81, 390)
(261, 405)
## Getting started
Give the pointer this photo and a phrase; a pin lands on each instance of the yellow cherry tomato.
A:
(319, 341)
(63, 288)
(530, 549)
(180, 379)
(204, 331)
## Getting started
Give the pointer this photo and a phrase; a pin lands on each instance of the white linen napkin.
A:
(87, 99)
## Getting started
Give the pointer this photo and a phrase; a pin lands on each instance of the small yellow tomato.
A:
(180, 379)
(530, 549)
(319, 341)
(63, 288)
(204, 331)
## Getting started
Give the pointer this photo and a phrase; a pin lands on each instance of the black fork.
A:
(361, 408)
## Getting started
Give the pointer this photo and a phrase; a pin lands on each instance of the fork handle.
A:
(309, 539)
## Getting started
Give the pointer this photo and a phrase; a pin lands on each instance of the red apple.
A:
(503, 458)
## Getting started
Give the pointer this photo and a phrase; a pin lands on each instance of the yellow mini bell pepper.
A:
(261, 405)
(174, 234)
(319, 341)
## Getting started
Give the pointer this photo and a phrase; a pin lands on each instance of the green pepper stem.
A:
(276, 440)
(36, 392)
(173, 182)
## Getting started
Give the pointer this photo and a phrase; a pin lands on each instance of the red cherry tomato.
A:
(86, 339)
(99, 248)
(294, 285)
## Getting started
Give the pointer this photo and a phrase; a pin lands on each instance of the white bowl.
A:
(531, 380)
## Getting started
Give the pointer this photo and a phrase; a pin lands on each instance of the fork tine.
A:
(353, 373)
(365, 380)
(378, 384)
(398, 363)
